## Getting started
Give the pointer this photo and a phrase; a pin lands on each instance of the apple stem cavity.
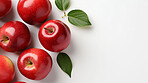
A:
(29, 63)
(5, 39)
(50, 29)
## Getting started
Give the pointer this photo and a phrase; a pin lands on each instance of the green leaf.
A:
(62, 4)
(78, 18)
(65, 63)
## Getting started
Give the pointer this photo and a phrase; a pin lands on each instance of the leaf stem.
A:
(64, 15)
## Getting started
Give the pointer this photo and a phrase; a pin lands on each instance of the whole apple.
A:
(34, 11)
(54, 35)
(14, 36)
(34, 63)
(5, 7)
(7, 70)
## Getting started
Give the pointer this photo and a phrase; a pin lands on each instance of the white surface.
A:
(113, 50)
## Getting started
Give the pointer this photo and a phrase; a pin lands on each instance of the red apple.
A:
(7, 70)
(5, 7)
(54, 35)
(34, 63)
(34, 11)
(14, 36)
(19, 82)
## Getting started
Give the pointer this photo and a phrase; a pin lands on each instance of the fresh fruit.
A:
(14, 36)
(5, 7)
(34, 63)
(19, 82)
(54, 35)
(7, 70)
(34, 11)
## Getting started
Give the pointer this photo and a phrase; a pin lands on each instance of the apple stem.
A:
(46, 28)
(50, 30)
(64, 14)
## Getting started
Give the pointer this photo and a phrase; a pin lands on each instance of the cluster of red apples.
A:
(54, 36)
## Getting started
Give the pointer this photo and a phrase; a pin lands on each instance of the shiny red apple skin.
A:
(7, 70)
(5, 7)
(34, 12)
(18, 34)
(42, 63)
(58, 40)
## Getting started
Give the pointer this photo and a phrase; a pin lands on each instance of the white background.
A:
(113, 50)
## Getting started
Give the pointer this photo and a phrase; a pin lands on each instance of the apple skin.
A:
(58, 39)
(7, 70)
(34, 63)
(5, 7)
(34, 12)
(16, 35)
(19, 82)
